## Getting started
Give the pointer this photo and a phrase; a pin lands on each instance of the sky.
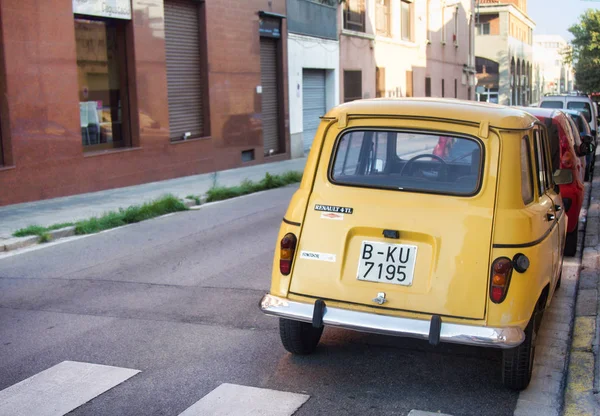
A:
(554, 17)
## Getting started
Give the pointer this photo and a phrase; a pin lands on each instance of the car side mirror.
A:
(587, 138)
(585, 149)
(563, 176)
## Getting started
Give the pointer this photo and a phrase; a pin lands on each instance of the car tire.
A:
(571, 244)
(517, 363)
(297, 337)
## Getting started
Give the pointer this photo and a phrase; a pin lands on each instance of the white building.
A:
(556, 75)
(313, 68)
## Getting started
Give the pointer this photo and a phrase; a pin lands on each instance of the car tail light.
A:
(567, 160)
(286, 253)
(501, 273)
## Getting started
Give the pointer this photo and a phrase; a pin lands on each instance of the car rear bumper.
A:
(507, 337)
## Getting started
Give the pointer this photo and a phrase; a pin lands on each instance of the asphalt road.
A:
(177, 298)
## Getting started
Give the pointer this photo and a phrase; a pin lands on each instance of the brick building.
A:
(103, 94)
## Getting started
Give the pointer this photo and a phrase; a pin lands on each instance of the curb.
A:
(16, 243)
(581, 391)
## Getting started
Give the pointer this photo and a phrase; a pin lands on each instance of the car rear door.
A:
(369, 242)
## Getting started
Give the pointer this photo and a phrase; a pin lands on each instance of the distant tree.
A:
(586, 51)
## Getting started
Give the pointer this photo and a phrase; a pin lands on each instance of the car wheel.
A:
(297, 337)
(571, 244)
(517, 363)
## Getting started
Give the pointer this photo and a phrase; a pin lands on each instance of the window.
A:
(483, 28)
(427, 87)
(380, 82)
(102, 73)
(551, 104)
(581, 106)
(540, 162)
(526, 176)
(409, 83)
(406, 20)
(354, 15)
(382, 17)
(455, 88)
(455, 34)
(386, 159)
(443, 28)
(352, 85)
(443, 88)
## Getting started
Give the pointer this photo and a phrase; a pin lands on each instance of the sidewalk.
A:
(83, 206)
(583, 377)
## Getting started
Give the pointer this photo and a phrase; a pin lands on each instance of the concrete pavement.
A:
(83, 206)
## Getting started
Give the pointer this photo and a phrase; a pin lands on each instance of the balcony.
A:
(313, 18)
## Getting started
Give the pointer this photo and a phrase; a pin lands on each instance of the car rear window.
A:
(551, 104)
(408, 161)
(583, 107)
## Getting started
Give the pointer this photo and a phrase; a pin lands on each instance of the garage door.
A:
(313, 103)
(184, 76)
(270, 102)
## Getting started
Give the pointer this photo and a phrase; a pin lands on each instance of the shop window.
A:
(443, 88)
(406, 20)
(102, 74)
(455, 88)
(354, 15)
(427, 87)
(382, 17)
(352, 85)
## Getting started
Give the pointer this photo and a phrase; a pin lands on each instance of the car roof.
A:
(542, 112)
(566, 98)
(442, 108)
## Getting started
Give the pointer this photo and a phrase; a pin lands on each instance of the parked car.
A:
(385, 236)
(565, 156)
(578, 102)
(583, 129)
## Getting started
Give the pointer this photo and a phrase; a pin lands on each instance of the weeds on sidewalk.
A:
(219, 193)
(40, 231)
(133, 214)
(195, 198)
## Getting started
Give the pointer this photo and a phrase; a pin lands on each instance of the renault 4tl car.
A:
(384, 236)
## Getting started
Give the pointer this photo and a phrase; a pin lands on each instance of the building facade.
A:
(313, 67)
(97, 97)
(407, 48)
(555, 73)
(504, 52)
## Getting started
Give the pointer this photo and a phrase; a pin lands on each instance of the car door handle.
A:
(550, 217)
(557, 208)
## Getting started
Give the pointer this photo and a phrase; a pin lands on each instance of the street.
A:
(176, 298)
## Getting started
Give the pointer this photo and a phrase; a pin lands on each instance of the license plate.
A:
(387, 263)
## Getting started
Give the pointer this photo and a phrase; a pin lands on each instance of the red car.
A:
(562, 140)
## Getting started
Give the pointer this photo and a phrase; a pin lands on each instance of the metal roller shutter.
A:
(184, 78)
(313, 103)
(270, 103)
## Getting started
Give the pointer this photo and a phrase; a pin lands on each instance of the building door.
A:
(313, 103)
(270, 95)
(184, 69)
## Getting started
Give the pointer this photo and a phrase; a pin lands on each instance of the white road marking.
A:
(60, 389)
(234, 400)
(423, 413)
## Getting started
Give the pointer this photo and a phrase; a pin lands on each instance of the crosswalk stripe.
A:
(60, 389)
(424, 413)
(234, 400)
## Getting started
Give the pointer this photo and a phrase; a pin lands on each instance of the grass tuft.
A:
(39, 230)
(219, 193)
(136, 213)
(45, 238)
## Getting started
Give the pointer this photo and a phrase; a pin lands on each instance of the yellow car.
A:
(431, 219)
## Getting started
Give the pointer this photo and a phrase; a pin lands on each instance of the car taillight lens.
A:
(501, 273)
(286, 253)
(567, 160)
